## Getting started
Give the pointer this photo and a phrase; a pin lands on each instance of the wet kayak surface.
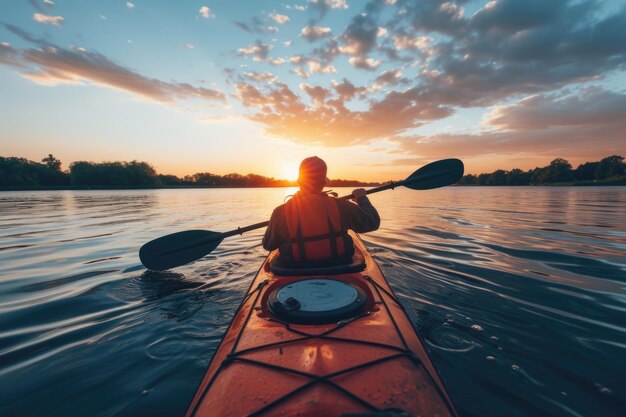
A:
(520, 294)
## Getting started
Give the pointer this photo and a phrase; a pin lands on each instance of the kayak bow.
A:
(327, 342)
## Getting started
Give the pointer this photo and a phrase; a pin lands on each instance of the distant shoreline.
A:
(617, 183)
(172, 187)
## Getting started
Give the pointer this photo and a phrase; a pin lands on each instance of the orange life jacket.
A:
(315, 231)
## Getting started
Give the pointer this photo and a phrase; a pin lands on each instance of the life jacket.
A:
(316, 235)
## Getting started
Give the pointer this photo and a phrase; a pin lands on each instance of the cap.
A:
(312, 173)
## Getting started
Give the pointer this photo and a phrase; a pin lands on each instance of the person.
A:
(311, 229)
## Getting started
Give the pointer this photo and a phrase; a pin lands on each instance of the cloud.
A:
(47, 19)
(578, 126)
(301, 73)
(313, 33)
(258, 50)
(530, 148)
(50, 65)
(256, 25)
(390, 77)
(316, 66)
(279, 18)
(593, 106)
(263, 76)
(276, 61)
(323, 6)
(316, 93)
(346, 90)
(369, 64)
(406, 42)
(328, 121)
(189, 46)
(37, 6)
(206, 13)
(130, 5)
(9, 56)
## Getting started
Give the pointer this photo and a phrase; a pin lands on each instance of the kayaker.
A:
(310, 229)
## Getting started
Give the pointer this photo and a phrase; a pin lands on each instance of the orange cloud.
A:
(52, 65)
(47, 19)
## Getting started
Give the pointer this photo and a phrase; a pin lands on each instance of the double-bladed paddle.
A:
(180, 248)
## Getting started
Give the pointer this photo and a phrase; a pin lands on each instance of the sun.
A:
(290, 172)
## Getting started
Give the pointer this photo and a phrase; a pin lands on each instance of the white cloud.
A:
(333, 4)
(318, 67)
(301, 72)
(206, 13)
(381, 31)
(48, 3)
(189, 46)
(281, 19)
(276, 61)
(405, 42)
(263, 76)
(287, 43)
(103, 17)
(47, 19)
(130, 5)
(364, 63)
(312, 33)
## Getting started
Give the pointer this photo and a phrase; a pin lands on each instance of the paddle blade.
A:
(436, 174)
(178, 248)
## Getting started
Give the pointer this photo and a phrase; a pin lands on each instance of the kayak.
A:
(317, 342)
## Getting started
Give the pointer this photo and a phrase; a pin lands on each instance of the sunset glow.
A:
(290, 172)
(376, 88)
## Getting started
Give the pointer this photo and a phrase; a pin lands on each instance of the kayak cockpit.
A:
(277, 267)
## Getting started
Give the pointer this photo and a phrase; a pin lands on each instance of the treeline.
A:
(20, 172)
(609, 170)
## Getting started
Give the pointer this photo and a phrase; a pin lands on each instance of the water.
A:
(520, 294)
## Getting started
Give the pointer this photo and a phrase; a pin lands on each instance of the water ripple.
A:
(519, 294)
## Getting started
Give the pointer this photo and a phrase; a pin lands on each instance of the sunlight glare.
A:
(290, 172)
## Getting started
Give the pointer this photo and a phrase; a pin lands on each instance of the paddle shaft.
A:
(242, 230)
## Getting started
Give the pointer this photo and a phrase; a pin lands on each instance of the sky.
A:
(376, 88)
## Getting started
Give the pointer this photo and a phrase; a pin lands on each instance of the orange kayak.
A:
(321, 342)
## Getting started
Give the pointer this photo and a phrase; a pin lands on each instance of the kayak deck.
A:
(367, 363)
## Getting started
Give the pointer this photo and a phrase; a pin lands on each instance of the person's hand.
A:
(359, 192)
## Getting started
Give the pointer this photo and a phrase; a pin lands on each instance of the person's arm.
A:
(361, 217)
(275, 234)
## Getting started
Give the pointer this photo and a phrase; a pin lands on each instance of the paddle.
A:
(180, 248)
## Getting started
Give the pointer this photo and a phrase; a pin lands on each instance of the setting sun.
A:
(290, 172)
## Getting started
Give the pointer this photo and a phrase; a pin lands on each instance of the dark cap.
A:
(312, 173)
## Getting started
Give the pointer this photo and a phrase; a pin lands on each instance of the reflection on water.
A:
(519, 293)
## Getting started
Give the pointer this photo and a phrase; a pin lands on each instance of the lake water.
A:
(520, 294)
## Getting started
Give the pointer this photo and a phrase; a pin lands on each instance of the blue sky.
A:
(375, 88)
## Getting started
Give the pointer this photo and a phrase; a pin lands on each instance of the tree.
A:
(52, 163)
(482, 179)
(468, 179)
(586, 171)
(610, 166)
(559, 170)
(497, 177)
(518, 177)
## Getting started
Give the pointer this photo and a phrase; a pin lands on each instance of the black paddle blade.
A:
(436, 174)
(178, 249)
